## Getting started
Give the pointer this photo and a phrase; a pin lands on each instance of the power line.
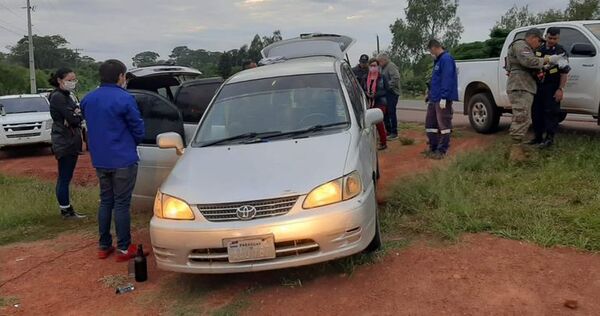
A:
(9, 30)
(14, 27)
(9, 10)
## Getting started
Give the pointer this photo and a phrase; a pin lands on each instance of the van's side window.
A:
(354, 92)
(569, 37)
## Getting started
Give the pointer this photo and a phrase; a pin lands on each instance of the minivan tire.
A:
(484, 115)
(375, 244)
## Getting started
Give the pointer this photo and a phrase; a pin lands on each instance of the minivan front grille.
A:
(282, 249)
(264, 208)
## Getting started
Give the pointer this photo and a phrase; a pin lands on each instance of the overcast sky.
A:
(121, 28)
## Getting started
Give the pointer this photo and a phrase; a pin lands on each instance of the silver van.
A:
(280, 172)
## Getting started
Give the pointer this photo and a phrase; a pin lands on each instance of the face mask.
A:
(373, 69)
(70, 85)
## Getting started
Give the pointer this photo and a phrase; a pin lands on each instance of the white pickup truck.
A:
(24, 120)
(482, 82)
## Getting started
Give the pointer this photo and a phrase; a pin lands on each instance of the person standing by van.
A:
(66, 136)
(376, 88)
(390, 72)
(115, 128)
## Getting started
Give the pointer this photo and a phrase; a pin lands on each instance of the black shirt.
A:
(552, 76)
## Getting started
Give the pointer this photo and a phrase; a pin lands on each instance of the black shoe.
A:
(70, 213)
(381, 147)
(438, 155)
(546, 144)
(535, 141)
(392, 136)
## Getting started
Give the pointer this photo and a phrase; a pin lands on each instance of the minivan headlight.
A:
(168, 207)
(336, 191)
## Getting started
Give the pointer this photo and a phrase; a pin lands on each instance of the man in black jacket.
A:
(361, 71)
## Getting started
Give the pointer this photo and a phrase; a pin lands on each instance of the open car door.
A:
(160, 116)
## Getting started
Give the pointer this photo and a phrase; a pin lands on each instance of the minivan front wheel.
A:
(375, 244)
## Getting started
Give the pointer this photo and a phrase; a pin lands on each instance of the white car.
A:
(24, 120)
(482, 83)
(281, 171)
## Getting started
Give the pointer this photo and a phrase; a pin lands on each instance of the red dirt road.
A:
(480, 275)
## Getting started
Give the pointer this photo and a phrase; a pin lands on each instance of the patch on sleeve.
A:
(538, 54)
(526, 53)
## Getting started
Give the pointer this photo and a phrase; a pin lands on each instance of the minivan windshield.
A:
(274, 108)
(594, 28)
(24, 105)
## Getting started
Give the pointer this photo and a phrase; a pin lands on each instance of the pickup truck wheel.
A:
(562, 116)
(484, 116)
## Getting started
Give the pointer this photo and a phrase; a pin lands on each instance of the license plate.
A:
(251, 249)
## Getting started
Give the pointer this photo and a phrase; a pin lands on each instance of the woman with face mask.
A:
(376, 87)
(66, 136)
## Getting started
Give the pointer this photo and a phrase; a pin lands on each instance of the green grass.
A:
(552, 200)
(8, 301)
(29, 211)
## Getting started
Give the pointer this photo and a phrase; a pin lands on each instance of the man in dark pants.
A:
(361, 71)
(390, 72)
(546, 104)
(442, 91)
(115, 128)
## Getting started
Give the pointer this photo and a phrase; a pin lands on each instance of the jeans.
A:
(438, 124)
(66, 167)
(391, 119)
(116, 188)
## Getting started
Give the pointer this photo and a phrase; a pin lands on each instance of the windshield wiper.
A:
(312, 129)
(250, 135)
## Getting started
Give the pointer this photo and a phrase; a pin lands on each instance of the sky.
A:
(119, 29)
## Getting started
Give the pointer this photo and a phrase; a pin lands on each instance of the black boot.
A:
(69, 213)
(536, 141)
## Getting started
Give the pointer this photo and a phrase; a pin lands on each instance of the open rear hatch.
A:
(308, 45)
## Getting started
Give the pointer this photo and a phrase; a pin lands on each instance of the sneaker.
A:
(392, 136)
(70, 213)
(535, 141)
(381, 147)
(546, 144)
(130, 253)
(103, 253)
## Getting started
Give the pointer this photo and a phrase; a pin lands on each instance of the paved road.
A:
(414, 111)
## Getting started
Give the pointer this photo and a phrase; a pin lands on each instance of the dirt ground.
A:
(479, 275)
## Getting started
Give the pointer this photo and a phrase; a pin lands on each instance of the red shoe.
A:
(104, 253)
(129, 254)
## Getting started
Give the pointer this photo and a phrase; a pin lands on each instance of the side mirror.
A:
(583, 50)
(170, 140)
(373, 116)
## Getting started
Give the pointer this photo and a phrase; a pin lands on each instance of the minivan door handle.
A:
(587, 65)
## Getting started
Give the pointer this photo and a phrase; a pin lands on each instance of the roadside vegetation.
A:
(552, 200)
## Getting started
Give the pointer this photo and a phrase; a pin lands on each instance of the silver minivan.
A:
(280, 172)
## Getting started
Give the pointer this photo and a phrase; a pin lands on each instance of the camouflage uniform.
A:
(521, 86)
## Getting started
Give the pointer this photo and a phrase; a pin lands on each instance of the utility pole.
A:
(31, 58)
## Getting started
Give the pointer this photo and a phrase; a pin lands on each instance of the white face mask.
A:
(373, 69)
(70, 85)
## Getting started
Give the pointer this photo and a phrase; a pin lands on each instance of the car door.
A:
(160, 116)
(582, 87)
(367, 143)
(192, 98)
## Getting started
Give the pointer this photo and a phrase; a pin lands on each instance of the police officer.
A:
(546, 104)
(361, 71)
(522, 66)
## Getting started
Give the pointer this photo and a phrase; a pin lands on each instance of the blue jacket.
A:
(444, 80)
(115, 127)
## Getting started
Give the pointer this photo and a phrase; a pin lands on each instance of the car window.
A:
(24, 105)
(159, 115)
(278, 104)
(354, 91)
(193, 100)
(594, 28)
(569, 37)
(521, 35)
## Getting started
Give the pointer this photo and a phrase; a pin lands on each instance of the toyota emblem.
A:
(246, 212)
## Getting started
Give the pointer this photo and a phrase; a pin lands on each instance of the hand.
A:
(554, 59)
(442, 104)
(558, 95)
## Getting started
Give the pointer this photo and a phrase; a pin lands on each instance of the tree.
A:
(146, 58)
(583, 10)
(50, 52)
(516, 17)
(425, 19)
(550, 15)
(225, 66)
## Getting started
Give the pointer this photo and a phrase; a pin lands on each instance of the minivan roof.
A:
(299, 66)
(18, 96)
